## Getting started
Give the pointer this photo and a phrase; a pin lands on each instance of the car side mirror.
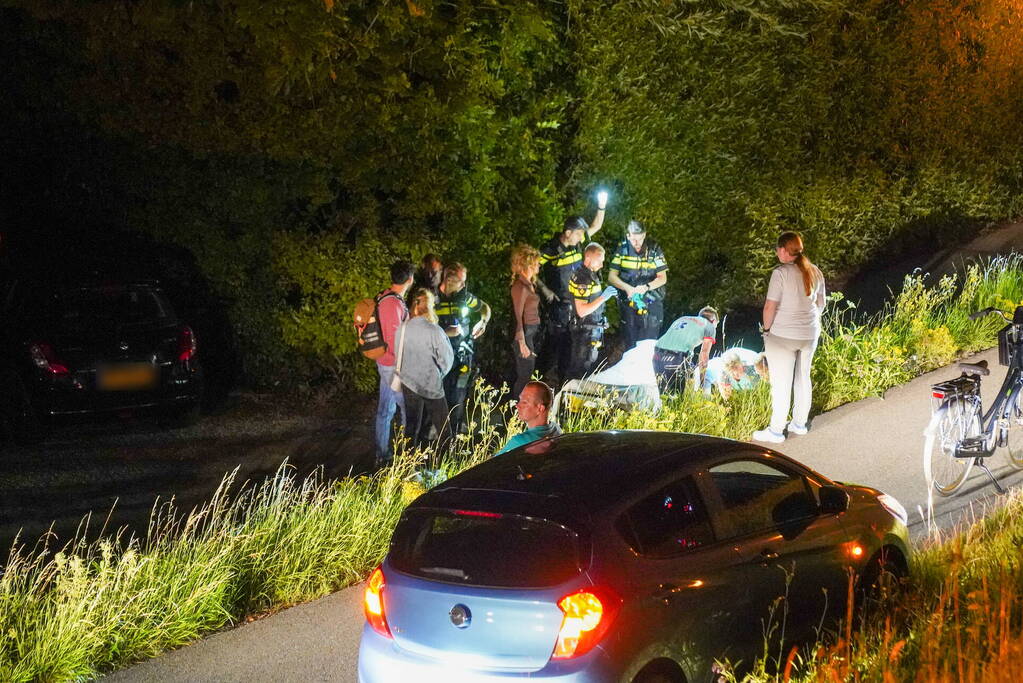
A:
(833, 500)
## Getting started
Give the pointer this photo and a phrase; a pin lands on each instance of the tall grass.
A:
(91, 607)
(925, 327)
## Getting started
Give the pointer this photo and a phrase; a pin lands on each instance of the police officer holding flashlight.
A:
(559, 258)
(639, 271)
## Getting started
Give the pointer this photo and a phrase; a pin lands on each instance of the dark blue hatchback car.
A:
(638, 557)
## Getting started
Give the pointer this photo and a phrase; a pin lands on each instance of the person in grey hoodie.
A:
(426, 358)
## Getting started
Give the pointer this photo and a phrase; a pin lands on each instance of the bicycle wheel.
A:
(952, 423)
(1014, 439)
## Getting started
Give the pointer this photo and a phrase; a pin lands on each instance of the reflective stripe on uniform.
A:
(623, 262)
(583, 293)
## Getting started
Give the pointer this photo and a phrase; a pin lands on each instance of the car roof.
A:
(584, 470)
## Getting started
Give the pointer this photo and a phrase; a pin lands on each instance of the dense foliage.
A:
(296, 148)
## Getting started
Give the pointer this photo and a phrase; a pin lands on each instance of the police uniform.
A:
(587, 332)
(462, 309)
(557, 265)
(640, 320)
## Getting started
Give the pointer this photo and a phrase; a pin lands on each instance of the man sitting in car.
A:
(534, 409)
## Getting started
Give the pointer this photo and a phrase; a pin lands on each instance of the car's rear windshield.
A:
(120, 304)
(484, 549)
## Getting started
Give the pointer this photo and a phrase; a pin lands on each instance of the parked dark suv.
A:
(106, 348)
(624, 557)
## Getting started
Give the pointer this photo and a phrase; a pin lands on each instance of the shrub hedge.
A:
(297, 148)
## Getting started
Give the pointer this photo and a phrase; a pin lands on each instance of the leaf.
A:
(414, 9)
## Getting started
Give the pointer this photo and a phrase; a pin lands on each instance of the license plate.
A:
(127, 377)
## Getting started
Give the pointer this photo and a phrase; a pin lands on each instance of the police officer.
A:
(559, 258)
(588, 321)
(464, 318)
(639, 271)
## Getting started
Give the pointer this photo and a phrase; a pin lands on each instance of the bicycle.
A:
(960, 435)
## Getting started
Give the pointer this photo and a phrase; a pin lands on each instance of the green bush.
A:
(296, 150)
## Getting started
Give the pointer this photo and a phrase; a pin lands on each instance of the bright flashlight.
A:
(602, 199)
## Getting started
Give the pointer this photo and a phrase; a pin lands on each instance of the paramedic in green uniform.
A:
(673, 353)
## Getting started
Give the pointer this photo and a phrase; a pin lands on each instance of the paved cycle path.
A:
(877, 442)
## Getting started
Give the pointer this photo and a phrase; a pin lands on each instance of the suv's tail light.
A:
(187, 345)
(45, 359)
(373, 603)
(587, 618)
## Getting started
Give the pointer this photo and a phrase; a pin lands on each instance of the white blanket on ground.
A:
(630, 381)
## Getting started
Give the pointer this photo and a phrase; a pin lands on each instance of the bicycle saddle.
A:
(975, 368)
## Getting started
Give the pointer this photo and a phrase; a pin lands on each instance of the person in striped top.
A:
(588, 320)
(639, 271)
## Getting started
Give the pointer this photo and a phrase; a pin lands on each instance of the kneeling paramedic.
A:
(673, 353)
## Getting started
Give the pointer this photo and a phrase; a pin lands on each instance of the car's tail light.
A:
(45, 359)
(587, 618)
(187, 346)
(373, 603)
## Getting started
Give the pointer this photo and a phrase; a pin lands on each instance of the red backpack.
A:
(366, 317)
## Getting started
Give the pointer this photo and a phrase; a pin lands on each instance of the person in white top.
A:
(792, 326)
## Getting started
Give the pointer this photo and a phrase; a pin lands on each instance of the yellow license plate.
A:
(128, 377)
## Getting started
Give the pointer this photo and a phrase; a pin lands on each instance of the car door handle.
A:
(768, 556)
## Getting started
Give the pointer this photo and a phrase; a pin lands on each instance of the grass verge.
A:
(93, 607)
(959, 619)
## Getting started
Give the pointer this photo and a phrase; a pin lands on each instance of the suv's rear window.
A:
(505, 551)
(122, 304)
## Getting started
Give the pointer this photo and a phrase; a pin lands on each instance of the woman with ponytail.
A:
(792, 326)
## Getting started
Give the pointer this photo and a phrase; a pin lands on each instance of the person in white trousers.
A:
(792, 326)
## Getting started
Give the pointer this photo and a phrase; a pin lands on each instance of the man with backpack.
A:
(389, 314)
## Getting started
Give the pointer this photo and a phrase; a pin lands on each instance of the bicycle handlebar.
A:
(985, 311)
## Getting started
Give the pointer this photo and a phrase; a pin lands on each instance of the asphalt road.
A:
(117, 469)
(877, 442)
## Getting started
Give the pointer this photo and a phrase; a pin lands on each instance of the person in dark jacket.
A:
(559, 258)
(588, 320)
(464, 319)
(639, 271)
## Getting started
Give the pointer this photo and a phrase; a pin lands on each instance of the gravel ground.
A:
(121, 467)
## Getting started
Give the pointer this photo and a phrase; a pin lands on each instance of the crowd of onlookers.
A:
(430, 322)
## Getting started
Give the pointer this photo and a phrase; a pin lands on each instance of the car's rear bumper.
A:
(381, 661)
(78, 395)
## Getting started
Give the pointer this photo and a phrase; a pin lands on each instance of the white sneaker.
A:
(796, 429)
(767, 436)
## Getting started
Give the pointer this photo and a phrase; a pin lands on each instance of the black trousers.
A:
(422, 413)
(557, 352)
(524, 366)
(672, 369)
(637, 326)
(586, 343)
(456, 388)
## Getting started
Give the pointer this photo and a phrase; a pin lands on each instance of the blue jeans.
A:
(389, 401)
